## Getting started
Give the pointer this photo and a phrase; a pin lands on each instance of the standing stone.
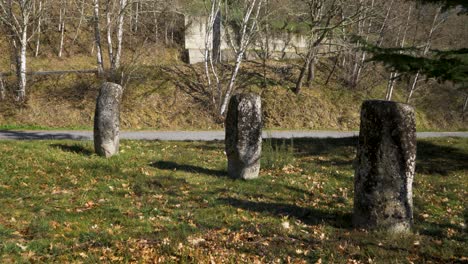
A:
(383, 197)
(106, 120)
(244, 136)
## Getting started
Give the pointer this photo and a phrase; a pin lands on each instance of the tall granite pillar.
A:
(385, 167)
(106, 120)
(244, 136)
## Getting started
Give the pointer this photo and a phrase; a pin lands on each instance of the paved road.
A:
(193, 135)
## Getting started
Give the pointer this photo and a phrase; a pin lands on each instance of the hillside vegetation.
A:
(156, 98)
(162, 92)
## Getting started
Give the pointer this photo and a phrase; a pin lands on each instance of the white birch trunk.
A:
(390, 86)
(427, 47)
(39, 24)
(62, 29)
(110, 47)
(230, 88)
(384, 25)
(2, 89)
(137, 16)
(360, 65)
(208, 54)
(79, 23)
(21, 74)
(394, 74)
(249, 27)
(97, 38)
(412, 88)
(120, 31)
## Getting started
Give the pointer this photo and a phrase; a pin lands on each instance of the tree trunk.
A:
(209, 53)
(2, 89)
(227, 97)
(465, 107)
(82, 15)
(97, 39)
(39, 24)
(248, 29)
(390, 86)
(120, 30)
(156, 28)
(311, 73)
(110, 47)
(361, 58)
(412, 88)
(137, 16)
(62, 29)
(332, 70)
(427, 47)
(302, 74)
(166, 38)
(21, 73)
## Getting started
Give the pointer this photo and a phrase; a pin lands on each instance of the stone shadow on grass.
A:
(169, 165)
(317, 146)
(431, 158)
(439, 230)
(436, 159)
(171, 186)
(47, 135)
(309, 216)
(75, 148)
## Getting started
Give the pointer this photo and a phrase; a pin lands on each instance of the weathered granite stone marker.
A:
(244, 136)
(383, 182)
(106, 120)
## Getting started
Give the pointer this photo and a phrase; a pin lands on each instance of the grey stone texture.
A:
(385, 164)
(244, 136)
(107, 120)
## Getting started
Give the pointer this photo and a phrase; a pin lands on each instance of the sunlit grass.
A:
(172, 202)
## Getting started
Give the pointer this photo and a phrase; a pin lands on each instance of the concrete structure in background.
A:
(281, 45)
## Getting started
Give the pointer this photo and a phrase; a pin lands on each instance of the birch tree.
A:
(436, 22)
(17, 16)
(322, 17)
(401, 42)
(39, 29)
(239, 41)
(115, 15)
(120, 31)
(211, 71)
(2, 88)
(97, 37)
(62, 18)
(248, 30)
(80, 5)
(354, 56)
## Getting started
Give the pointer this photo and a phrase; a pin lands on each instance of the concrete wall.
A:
(195, 28)
(281, 46)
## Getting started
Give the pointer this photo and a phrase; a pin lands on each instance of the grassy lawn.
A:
(172, 202)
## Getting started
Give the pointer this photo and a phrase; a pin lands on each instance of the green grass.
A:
(172, 202)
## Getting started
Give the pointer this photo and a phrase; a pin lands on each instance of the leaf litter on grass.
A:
(62, 206)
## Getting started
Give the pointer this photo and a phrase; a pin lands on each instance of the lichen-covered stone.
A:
(385, 167)
(244, 136)
(106, 120)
